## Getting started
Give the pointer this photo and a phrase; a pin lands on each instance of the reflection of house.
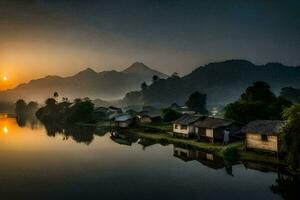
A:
(123, 120)
(184, 154)
(207, 159)
(216, 129)
(263, 134)
(184, 125)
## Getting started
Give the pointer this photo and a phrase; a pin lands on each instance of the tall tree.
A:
(290, 136)
(21, 106)
(197, 102)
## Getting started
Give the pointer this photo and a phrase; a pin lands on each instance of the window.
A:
(176, 126)
(183, 127)
(264, 137)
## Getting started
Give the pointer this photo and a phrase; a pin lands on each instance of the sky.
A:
(62, 37)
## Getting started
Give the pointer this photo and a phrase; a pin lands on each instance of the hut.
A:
(123, 120)
(263, 135)
(216, 129)
(148, 117)
(183, 127)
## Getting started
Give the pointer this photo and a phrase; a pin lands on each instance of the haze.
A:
(38, 38)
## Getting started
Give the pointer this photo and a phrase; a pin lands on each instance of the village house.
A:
(183, 127)
(216, 129)
(149, 116)
(263, 135)
(123, 120)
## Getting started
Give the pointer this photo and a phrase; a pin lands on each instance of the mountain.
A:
(87, 83)
(223, 82)
(143, 71)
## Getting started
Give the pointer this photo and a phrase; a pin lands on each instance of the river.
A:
(39, 162)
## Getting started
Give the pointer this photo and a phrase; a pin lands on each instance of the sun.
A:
(5, 78)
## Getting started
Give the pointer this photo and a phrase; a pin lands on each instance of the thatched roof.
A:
(210, 122)
(267, 127)
(187, 119)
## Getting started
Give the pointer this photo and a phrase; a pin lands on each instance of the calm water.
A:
(77, 163)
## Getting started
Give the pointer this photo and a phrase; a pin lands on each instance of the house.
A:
(183, 126)
(148, 117)
(263, 135)
(216, 129)
(123, 120)
(184, 154)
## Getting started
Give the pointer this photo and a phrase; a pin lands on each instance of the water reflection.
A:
(205, 158)
(103, 166)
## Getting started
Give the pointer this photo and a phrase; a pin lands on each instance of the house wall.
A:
(190, 129)
(254, 141)
(124, 124)
(145, 120)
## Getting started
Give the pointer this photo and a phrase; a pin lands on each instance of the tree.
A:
(32, 107)
(197, 102)
(170, 114)
(259, 92)
(154, 78)
(256, 103)
(55, 95)
(291, 94)
(144, 86)
(21, 107)
(290, 136)
(175, 75)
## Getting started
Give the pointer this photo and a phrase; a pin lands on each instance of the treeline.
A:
(80, 110)
(258, 102)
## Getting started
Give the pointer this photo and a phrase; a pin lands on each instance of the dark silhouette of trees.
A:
(144, 86)
(257, 102)
(170, 114)
(55, 95)
(197, 102)
(291, 94)
(66, 112)
(21, 107)
(155, 78)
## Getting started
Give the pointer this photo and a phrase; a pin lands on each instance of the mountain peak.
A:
(87, 71)
(142, 69)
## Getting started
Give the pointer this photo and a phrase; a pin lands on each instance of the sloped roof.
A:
(211, 122)
(187, 119)
(268, 127)
(123, 118)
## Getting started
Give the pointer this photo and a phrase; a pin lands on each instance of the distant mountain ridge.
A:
(223, 82)
(86, 83)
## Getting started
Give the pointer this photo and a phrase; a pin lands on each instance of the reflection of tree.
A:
(80, 134)
(287, 186)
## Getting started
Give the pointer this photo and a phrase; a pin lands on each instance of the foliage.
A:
(197, 102)
(144, 86)
(21, 107)
(170, 114)
(290, 136)
(66, 112)
(154, 78)
(290, 93)
(257, 102)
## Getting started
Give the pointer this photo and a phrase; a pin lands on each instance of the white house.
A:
(184, 125)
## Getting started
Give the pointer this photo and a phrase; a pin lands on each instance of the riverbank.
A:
(161, 133)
